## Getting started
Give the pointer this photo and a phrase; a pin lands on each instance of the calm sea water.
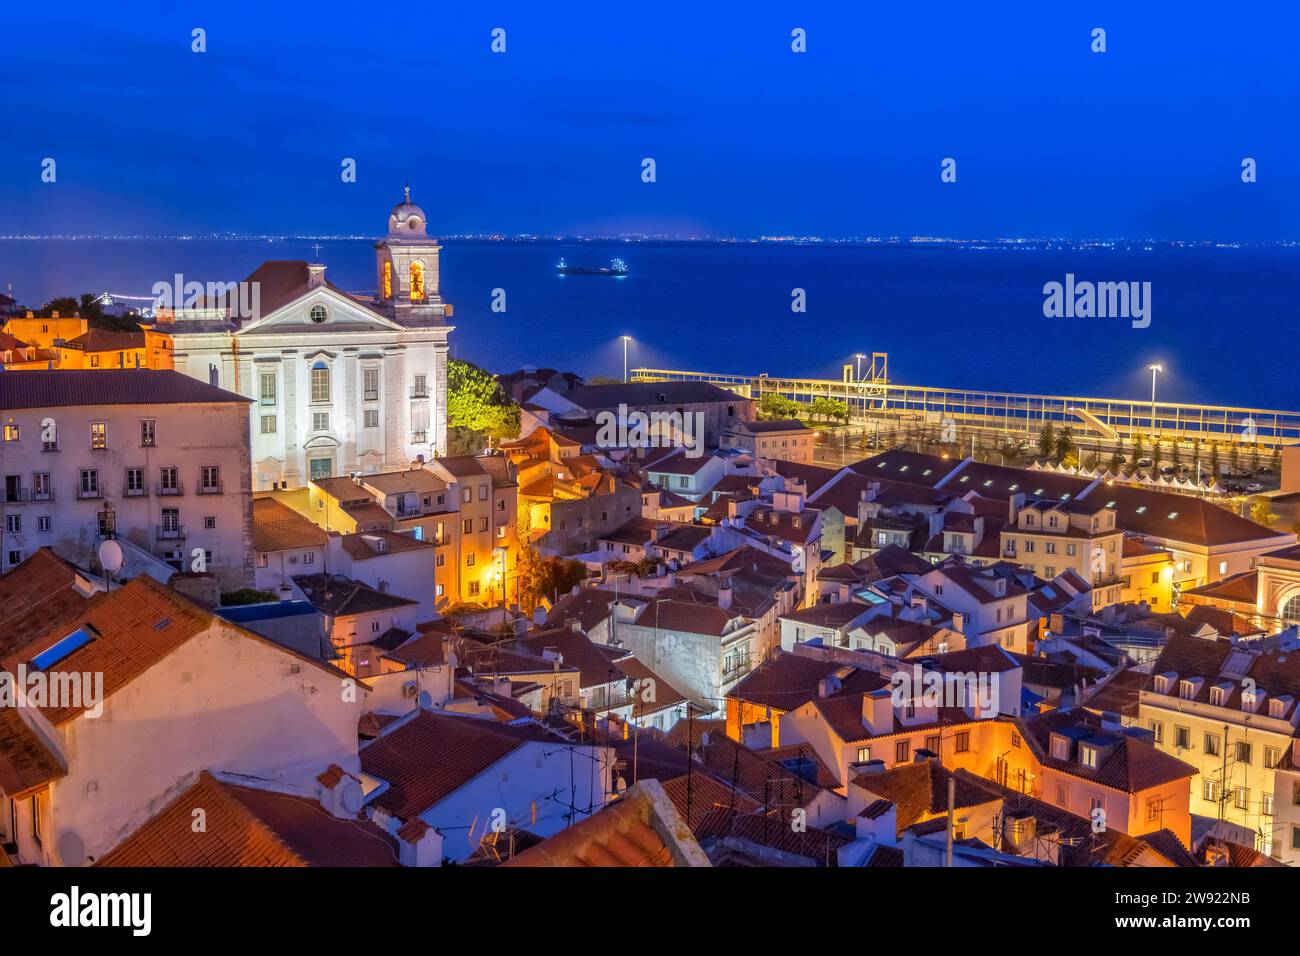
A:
(1224, 321)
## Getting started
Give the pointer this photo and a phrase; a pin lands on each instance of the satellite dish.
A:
(110, 556)
(704, 739)
(426, 700)
(352, 796)
(72, 848)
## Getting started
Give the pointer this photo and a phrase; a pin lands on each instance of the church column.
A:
(439, 410)
(294, 470)
(397, 409)
(351, 423)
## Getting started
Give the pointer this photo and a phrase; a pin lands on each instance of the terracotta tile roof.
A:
(787, 681)
(339, 597)
(394, 542)
(136, 386)
(755, 774)
(589, 607)
(1132, 766)
(250, 827)
(132, 628)
(277, 527)
(912, 467)
(685, 537)
(462, 466)
(1241, 588)
(919, 791)
(25, 762)
(103, 340)
(425, 650)
(412, 480)
(812, 476)
(843, 716)
(429, 756)
(1119, 695)
(576, 649)
(38, 591)
(665, 694)
(834, 616)
(484, 658)
(690, 618)
(622, 834)
(720, 827)
(638, 531)
(342, 489)
(800, 527)
(705, 792)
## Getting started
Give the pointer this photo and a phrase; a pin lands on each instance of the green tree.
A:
(1138, 451)
(775, 406)
(548, 577)
(477, 403)
(1091, 461)
(1065, 446)
(1234, 457)
(1046, 441)
(1176, 454)
(1261, 513)
(1116, 462)
(1157, 453)
(1214, 461)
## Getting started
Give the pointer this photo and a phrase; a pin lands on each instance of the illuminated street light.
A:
(1154, 369)
(626, 339)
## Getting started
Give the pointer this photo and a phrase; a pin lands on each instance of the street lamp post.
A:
(1154, 369)
(626, 339)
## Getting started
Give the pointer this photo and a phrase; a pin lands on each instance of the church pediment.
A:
(319, 310)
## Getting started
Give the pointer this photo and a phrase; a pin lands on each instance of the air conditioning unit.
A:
(410, 690)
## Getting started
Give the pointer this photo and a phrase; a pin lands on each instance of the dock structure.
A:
(871, 397)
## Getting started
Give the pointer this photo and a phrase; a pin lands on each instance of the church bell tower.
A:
(406, 261)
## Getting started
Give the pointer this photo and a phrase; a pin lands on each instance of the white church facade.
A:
(339, 383)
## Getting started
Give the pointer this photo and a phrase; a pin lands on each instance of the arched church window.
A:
(318, 313)
(417, 281)
(320, 382)
(1291, 609)
(387, 290)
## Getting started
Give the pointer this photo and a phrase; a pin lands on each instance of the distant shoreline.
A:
(867, 242)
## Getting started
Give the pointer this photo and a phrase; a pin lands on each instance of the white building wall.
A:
(223, 701)
(187, 437)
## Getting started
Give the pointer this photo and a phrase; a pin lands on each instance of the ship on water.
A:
(616, 267)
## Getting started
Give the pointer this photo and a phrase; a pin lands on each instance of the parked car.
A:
(1254, 486)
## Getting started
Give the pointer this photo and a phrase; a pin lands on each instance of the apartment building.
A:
(1048, 537)
(151, 457)
(1229, 710)
(785, 440)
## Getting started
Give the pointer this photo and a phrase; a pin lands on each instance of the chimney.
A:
(935, 521)
(829, 685)
(315, 274)
(419, 844)
(878, 711)
(340, 793)
(724, 594)
(1014, 504)
(575, 624)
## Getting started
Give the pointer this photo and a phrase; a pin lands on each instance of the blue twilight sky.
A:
(749, 138)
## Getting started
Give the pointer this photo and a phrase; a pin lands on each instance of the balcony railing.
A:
(417, 392)
(129, 492)
(15, 495)
(210, 488)
(176, 489)
(169, 533)
(85, 493)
